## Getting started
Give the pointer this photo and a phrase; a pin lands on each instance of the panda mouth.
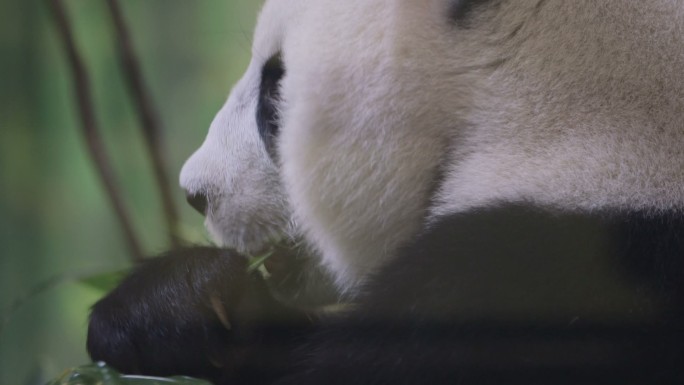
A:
(275, 256)
(293, 277)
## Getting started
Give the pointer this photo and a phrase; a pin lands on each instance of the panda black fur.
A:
(440, 319)
(497, 187)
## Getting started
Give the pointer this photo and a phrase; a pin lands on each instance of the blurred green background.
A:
(55, 221)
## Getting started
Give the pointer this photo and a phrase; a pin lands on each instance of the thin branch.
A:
(149, 120)
(90, 129)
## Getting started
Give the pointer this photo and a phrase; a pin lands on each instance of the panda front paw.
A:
(195, 312)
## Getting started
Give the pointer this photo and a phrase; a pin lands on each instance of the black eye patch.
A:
(269, 99)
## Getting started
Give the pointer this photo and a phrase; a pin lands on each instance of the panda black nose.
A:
(198, 201)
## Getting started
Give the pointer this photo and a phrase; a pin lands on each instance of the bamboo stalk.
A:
(90, 128)
(149, 120)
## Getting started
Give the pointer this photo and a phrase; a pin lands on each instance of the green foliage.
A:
(104, 282)
(101, 374)
(55, 222)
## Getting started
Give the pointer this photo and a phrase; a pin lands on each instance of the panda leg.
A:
(514, 295)
(195, 312)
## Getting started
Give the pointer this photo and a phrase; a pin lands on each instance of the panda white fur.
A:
(570, 104)
(428, 151)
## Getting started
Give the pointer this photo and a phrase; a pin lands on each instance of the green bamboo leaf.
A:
(101, 374)
(104, 282)
(257, 262)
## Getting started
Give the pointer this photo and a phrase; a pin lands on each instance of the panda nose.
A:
(198, 201)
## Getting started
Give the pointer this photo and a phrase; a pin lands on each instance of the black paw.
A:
(195, 312)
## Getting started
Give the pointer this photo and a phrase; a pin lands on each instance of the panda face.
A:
(359, 122)
(234, 173)
(245, 204)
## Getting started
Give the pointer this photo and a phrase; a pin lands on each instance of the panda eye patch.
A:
(269, 99)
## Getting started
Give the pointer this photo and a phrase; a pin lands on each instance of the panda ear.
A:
(460, 11)
(456, 12)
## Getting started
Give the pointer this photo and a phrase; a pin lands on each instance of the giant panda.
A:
(494, 188)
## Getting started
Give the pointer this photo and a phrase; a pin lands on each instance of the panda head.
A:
(358, 122)
(317, 137)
